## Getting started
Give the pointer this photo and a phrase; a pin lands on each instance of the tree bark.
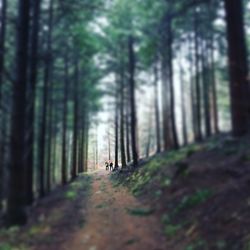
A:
(65, 116)
(157, 110)
(183, 106)
(75, 130)
(2, 62)
(198, 135)
(47, 79)
(2, 44)
(192, 89)
(134, 135)
(31, 99)
(17, 193)
(116, 134)
(214, 90)
(86, 158)
(171, 83)
(122, 143)
(206, 90)
(50, 133)
(238, 67)
(128, 131)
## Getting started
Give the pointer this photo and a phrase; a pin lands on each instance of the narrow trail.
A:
(109, 225)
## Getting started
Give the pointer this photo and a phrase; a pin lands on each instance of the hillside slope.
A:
(201, 193)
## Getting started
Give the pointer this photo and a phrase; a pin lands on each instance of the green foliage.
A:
(189, 201)
(139, 181)
(5, 246)
(172, 230)
(84, 184)
(150, 171)
(140, 211)
(198, 244)
(71, 195)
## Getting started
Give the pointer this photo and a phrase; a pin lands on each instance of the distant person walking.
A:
(107, 165)
(111, 166)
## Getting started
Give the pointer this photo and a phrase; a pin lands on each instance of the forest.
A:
(124, 124)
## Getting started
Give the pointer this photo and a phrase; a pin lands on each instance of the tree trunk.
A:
(116, 134)
(132, 63)
(198, 135)
(122, 143)
(65, 116)
(81, 149)
(109, 147)
(2, 62)
(47, 78)
(167, 138)
(75, 131)
(192, 89)
(31, 100)
(2, 45)
(183, 106)
(157, 110)
(17, 193)
(96, 148)
(214, 90)
(206, 91)
(238, 67)
(171, 83)
(128, 131)
(50, 133)
(149, 139)
(86, 145)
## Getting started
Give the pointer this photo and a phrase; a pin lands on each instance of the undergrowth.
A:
(155, 170)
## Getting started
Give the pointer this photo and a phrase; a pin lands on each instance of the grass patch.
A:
(7, 246)
(198, 244)
(71, 195)
(140, 211)
(190, 201)
(172, 230)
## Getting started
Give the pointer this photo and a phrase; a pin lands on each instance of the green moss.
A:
(35, 230)
(172, 230)
(71, 195)
(193, 200)
(5, 246)
(140, 211)
(198, 244)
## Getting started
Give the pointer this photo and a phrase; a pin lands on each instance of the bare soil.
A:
(109, 224)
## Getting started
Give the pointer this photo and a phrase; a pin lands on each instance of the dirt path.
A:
(110, 226)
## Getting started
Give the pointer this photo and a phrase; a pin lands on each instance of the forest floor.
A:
(89, 214)
(196, 198)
